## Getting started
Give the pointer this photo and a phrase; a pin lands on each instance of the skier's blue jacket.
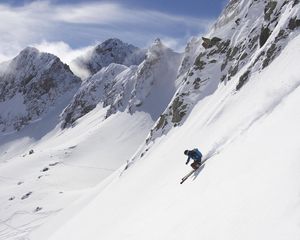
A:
(195, 154)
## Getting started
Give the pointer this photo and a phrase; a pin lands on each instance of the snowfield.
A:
(63, 167)
(249, 189)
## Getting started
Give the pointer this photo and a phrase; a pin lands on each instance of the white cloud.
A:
(111, 13)
(62, 50)
(54, 28)
(66, 54)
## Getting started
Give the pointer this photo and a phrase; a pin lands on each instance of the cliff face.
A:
(148, 87)
(30, 84)
(246, 38)
(110, 51)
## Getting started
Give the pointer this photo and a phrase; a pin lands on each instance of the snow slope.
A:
(248, 189)
(63, 165)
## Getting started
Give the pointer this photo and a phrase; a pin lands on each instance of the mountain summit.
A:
(147, 87)
(31, 84)
(110, 51)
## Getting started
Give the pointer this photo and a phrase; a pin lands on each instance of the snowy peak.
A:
(28, 51)
(147, 87)
(110, 51)
(245, 40)
(31, 83)
(156, 46)
(96, 89)
(157, 49)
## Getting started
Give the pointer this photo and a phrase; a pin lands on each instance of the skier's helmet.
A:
(186, 152)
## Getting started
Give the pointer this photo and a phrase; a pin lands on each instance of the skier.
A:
(194, 154)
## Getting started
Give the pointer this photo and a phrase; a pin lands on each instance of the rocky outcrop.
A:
(30, 84)
(110, 51)
(147, 87)
(242, 36)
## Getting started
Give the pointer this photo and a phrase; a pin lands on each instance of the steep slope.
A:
(110, 51)
(248, 189)
(246, 38)
(32, 84)
(249, 186)
(148, 87)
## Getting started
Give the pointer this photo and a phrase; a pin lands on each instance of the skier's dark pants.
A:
(196, 164)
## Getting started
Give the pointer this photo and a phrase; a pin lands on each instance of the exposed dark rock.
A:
(31, 152)
(223, 46)
(264, 35)
(252, 30)
(223, 78)
(224, 64)
(45, 169)
(208, 43)
(237, 21)
(243, 56)
(197, 83)
(281, 35)
(37, 209)
(232, 52)
(199, 64)
(178, 109)
(296, 2)
(162, 122)
(270, 55)
(294, 23)
(191, 73)
(26, 195)
(269, 9)
(215, 40)
(232, 71)
(243, 80)
(53, 164)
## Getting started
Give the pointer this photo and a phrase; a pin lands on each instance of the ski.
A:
(187, 176)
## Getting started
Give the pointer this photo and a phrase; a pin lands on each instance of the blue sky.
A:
(68, 26)
(197, 8)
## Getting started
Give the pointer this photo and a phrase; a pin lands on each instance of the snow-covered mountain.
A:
(246, 38)
(44, 167)
(147, 87)
(110, 51)
(30, 85)
(234, 94)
